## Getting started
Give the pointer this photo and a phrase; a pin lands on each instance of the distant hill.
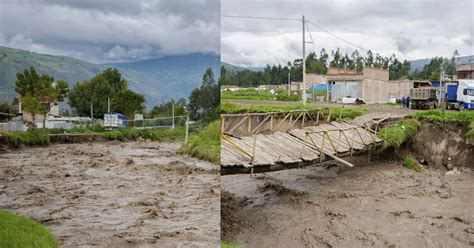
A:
(173, 76)
(418, 64)
(235, 68)
(158, 79)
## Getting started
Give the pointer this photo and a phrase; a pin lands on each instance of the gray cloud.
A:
(111, 30)
(411, 29)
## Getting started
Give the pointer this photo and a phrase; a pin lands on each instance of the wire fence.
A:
(159, 122)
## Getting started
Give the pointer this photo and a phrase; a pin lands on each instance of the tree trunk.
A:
(33, 118)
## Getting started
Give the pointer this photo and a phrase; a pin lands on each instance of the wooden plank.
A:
(287, 147)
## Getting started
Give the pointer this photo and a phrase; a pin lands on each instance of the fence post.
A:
(187, 130)
(172, 111)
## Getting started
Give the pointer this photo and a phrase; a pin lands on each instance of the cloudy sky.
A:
(412, 29)
(111, 30)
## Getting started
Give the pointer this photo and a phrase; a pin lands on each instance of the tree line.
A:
(39, 91)
(319, 64)
(203, 102)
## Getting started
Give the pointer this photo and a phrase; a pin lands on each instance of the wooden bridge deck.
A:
(306, 144)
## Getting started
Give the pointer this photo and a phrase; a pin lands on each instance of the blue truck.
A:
(460, 96)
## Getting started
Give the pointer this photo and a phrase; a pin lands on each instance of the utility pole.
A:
(289, 85)
(440, 84)
(304, 63)
(187, 130)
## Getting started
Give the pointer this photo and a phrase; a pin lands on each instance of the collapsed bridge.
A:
(260, 142)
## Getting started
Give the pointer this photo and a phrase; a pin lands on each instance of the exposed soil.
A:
(112, 194)
(376, 203)
(443, 144)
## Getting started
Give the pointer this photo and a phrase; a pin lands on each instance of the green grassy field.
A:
(39, 137)
(266, 95)
(466, 117)
(336, 112)
(248, 94)
(205, 144)
(18, 231)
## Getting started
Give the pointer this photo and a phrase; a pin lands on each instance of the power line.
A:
(310, 36)
(261, 17)
(336, 36)
(296, 19)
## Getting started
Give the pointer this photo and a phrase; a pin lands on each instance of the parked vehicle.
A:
(114, 120)
(460, 96)
(424, 98)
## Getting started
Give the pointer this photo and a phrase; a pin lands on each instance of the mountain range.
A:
(159, 79)
(235, 68)
(418, 64)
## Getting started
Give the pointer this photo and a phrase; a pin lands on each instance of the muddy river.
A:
(134, 194)
(377, 204)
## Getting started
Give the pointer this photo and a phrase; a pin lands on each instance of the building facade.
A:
(465, 71)
(370, 85)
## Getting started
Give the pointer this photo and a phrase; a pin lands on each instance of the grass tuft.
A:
(227, 245)
(394, 137)
(411, 163)
(18, 231)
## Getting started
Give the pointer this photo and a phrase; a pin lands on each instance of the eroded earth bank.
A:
(133, 194)
(376, 203)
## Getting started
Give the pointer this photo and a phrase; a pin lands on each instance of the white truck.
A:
(460, 96)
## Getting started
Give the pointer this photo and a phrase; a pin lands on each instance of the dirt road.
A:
(377, 204)
(138, 194)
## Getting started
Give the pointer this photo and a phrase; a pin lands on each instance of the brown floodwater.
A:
(132, 194)
(375, 203)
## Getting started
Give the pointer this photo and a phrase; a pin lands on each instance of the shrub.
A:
(129, 133)
(164, 134)
(31, 137)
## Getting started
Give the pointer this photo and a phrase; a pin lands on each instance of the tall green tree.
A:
(128, 103)
(224, 77)
(204, 101)
(165, 109)
(39, 89)
(6, 111)
(94, 93)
